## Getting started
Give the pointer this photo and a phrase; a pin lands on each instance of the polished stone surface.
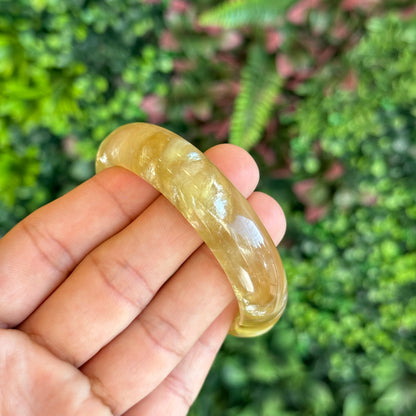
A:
(215, 208)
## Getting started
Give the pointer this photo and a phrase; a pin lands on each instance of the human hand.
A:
(110, 304)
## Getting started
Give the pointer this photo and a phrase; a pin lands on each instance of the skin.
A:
(109, 302)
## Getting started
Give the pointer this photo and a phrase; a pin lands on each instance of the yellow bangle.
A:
(215, 208)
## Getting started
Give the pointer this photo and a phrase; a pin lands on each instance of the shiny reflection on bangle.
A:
(216, 209)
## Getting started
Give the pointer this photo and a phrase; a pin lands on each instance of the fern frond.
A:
(260, 85)
(245, 12)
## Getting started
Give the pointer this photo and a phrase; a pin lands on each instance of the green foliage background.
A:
(70, 72)
(334, 135)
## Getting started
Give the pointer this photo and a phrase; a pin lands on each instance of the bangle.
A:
(215, 208)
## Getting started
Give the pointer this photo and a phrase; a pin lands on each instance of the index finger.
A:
(39, 253)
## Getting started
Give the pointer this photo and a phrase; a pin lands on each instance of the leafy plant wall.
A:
(346, 344)
(323, 94)
(70, 72)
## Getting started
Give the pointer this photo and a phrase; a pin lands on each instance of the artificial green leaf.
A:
(260, 85)
(233, 14)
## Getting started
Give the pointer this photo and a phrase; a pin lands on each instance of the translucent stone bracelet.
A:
(215, 208)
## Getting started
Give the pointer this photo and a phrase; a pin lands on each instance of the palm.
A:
(47, 385)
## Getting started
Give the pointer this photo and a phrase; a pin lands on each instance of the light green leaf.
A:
(260, 85)
(245, 12)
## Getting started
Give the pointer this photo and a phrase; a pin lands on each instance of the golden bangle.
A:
(215, 208)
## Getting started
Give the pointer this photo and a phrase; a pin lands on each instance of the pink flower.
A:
(224, 92)
(273, 40)
(408, 12)
(324, 55)
(303, 188)
(359, 4)
(219, 129)
(231, 40)
(70, 145)
(183, 65)
(228, 58)
(298, 13)
(350, 82)
(179, 6)
(335, 171)
(168, 42)
(315, 213)
(188, 114)
(154, 107)
(340, 31)
(368, 199)
(284, 66)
